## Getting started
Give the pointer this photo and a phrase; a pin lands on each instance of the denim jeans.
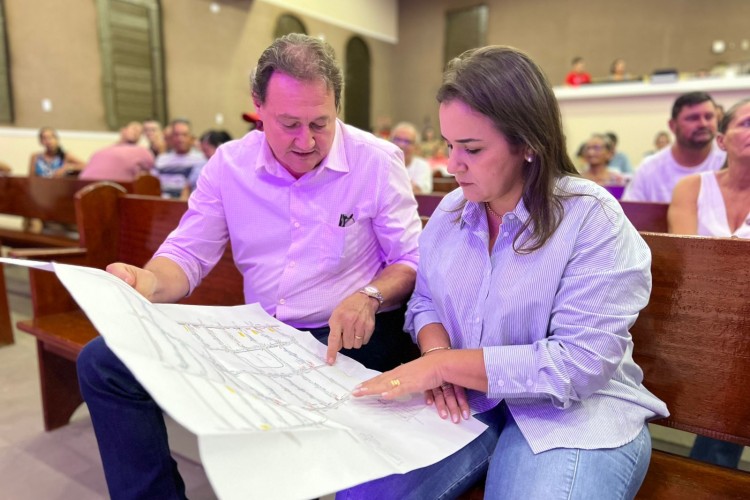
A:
(716, 451)
(514, 471)
(129, 425)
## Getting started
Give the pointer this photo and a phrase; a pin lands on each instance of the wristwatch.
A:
(373, 292)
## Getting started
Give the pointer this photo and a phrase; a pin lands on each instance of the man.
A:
(693, 124)
(323, 228)
(406, 137)
(155, 137)
(175, 168)
(121, 162)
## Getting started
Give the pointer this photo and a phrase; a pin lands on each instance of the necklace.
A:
(492, 212)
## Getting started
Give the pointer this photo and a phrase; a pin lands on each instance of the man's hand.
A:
(351, 323)
(142, 280)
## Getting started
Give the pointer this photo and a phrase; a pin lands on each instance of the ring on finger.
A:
(445, 386)
(395, 383)
(357, 337)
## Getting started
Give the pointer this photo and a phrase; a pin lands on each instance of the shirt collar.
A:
(473, 213)
(335, 159)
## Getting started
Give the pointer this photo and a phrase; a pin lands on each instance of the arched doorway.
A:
(357, 86)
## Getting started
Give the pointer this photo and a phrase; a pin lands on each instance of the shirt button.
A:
(529, 382)
(296, 224)
(282, 301)
(501, 383)
(511, 216)
(292, 264)
(505, 234)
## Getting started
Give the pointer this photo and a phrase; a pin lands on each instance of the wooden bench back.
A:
(651, 217)
(693, 343)
(52, 199)
(120, 227)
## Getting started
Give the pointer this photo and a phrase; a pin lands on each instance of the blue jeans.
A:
(514, 471)
(129, 425)
(716, 451)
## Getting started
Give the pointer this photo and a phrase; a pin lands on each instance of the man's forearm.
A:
(396, 283)
(171, 281)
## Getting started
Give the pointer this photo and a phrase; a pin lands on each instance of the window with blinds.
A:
(6, 97)
(132, 58)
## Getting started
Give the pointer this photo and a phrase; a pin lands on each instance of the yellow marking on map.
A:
(230, 389)
(265, 427)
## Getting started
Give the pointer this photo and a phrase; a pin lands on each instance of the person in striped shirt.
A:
(529, 280)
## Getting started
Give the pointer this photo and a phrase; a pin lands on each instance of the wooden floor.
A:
(63, 464)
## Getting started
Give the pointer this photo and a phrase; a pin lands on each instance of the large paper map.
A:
(273, 420)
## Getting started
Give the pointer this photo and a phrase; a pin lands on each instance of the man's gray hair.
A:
(302, 57)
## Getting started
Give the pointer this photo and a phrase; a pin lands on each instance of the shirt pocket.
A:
(339, 247)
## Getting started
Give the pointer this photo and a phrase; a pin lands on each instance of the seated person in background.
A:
(406, 137)
(175, 168)
(578, 75)
(718, 204)
(597, 152)
(208, 142)
(617, 71)
(619, 160)
(253, 121)
(211, 140)
(430, 142)
(323, 227)
(661, 141)
(693, 124)
(53, 161)
(155, 137)
(529, 281)
(439, 160)
(5, 169)
(123, 161)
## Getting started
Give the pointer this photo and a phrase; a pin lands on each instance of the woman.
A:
(718, 203)
(528, 281)
(597, 152)
(53, 161)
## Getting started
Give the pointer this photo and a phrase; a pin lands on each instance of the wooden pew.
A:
(644, 216)
(693, 343)
(6, 329)
(651, 217)
(444, 184)
(51, 200)
(427, 203)
(114, 226)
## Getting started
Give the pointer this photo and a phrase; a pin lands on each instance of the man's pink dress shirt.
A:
(302, 245)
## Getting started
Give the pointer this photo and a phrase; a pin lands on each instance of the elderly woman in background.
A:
(53, 161)
(529, 279)
(718, 203)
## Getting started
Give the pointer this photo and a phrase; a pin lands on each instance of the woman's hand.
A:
(421, 375)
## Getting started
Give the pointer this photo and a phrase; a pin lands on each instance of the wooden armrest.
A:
(76, 255)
